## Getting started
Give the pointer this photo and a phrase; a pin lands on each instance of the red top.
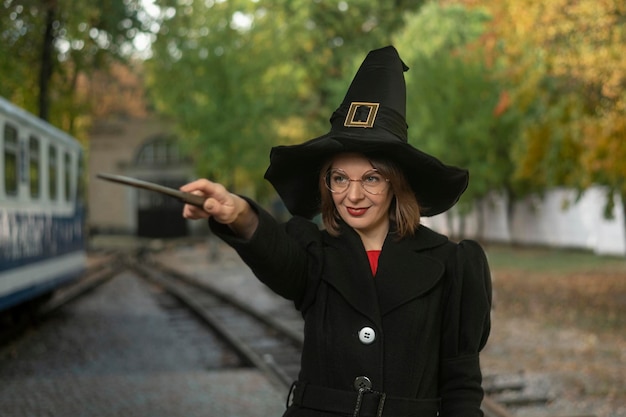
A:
(373, 255)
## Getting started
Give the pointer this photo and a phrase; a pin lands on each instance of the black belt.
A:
(364, 403)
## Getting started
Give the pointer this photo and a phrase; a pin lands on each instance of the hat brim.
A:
(294, 172)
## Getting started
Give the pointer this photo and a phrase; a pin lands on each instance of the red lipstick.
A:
(356, 212)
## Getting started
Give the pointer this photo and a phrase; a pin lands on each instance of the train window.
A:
(10, 160)
(67, 168)
(81, 187)
(34, 171)
(52, 172)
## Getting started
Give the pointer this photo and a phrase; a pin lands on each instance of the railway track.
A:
(269, 342)
(27, 315)
(263, 341)
(273, 345)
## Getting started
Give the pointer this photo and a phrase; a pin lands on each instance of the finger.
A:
(193, 212)
(212, 206)
(199, 187)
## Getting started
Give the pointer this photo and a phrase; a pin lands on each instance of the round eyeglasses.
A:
(337, 181)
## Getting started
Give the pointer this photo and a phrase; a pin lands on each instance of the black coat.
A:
(427, 309)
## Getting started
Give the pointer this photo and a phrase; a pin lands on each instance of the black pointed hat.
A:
(371, 120)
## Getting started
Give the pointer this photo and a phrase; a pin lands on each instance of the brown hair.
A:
(404, 211)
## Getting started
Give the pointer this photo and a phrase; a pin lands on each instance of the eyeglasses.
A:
(337, 181)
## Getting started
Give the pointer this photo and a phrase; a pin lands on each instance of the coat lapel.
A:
(349, 273)
(403, 272)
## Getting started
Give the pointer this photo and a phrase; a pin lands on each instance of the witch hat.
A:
(371, 120)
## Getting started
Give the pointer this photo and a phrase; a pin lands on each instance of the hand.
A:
(221, 205)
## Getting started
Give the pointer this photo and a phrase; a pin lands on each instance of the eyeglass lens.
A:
(338, 181)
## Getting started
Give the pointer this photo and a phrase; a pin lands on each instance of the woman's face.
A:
(367, 213)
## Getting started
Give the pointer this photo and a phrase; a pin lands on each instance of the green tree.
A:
(457, 104)
(229, 85)
(250, 75)
(569, 87)
(48, 44)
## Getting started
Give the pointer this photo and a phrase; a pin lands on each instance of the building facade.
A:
(143, 148)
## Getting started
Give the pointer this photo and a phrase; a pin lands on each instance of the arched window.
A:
(160, 151)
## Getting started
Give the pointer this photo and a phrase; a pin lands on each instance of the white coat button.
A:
(367, 335)
(362, 383)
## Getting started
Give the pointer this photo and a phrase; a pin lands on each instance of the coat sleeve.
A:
(278, 254)
(466, 327)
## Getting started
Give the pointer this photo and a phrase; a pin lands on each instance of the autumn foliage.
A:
(527, 94)
(565, 64)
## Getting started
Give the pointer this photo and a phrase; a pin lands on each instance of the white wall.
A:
(556, 219)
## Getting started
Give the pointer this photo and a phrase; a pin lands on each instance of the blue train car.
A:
(42, 216)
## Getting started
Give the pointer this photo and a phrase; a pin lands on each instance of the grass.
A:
(561, 312)
(563, 287)
(559, 261)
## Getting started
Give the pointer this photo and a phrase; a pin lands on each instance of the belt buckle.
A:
(359, 401)
(291, 395)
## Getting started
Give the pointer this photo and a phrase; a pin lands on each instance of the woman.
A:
(395, 313)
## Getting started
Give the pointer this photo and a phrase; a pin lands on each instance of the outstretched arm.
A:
(223, 206)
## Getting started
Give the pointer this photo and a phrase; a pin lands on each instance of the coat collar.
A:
(404, 272)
